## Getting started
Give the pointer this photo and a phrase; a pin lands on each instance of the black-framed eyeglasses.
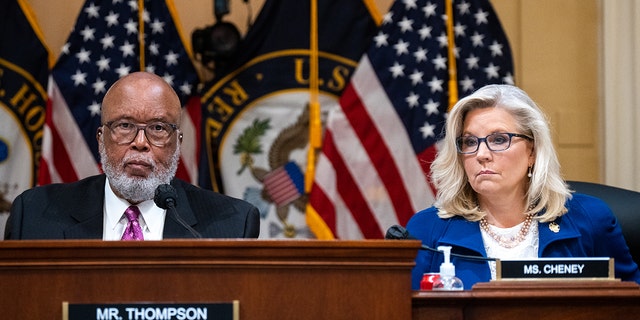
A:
(495, 142)
(157, 133)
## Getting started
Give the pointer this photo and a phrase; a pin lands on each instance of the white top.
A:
(151, 218)
(527, 249)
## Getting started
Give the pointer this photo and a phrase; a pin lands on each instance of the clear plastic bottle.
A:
(447, 279)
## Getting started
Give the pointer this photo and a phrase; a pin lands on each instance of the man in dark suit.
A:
(139, 143)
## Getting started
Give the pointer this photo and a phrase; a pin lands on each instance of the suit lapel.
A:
(172, 228)
(88, 211)
(463, 233)
(559, 229)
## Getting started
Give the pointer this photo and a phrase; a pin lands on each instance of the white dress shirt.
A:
(151, 218)
(527, 249)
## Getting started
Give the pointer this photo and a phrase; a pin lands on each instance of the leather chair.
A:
(625, 205)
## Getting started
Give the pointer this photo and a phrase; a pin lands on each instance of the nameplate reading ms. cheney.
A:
(151, 311)
(555, 268)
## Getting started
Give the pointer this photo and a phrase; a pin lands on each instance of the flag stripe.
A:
(282, 189)
(380, 109)
(321, 228)
(378, 164)
(61, 161)
(280, 186)
(379, 155)
(189, 149)
(324, 194)
(424, 159)
(68, 141)
(350, 188)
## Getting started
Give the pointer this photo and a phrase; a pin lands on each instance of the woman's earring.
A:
(530, 172)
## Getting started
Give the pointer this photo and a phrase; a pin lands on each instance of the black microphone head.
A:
(397, 232)
(165, 196)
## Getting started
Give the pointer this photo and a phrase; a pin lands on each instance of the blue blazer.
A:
(75, 211)
(588, 229)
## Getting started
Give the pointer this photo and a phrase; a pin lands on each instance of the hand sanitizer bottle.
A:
(448, 279)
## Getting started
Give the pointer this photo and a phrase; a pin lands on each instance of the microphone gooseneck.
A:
(397, 232)
(165, 198)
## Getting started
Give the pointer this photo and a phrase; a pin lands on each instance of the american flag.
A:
(374, 167)
(107, 43)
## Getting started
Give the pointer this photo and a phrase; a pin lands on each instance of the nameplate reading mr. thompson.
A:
(151, 311)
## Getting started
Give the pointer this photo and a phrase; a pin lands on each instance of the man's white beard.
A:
(138, 189)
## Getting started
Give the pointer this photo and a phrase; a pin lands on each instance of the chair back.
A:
(625, 205)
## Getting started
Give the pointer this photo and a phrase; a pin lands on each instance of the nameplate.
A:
(555, 268)
(151, 311)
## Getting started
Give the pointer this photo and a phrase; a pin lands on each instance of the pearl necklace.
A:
(510, 242)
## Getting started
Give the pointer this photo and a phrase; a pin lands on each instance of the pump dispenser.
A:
(447, 279)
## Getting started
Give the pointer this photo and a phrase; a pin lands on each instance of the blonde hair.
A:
(547, 189)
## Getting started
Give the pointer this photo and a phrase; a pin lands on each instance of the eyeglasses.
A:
(495, 142)
(157, 133)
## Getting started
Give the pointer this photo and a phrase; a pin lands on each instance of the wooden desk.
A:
(272, 279)
(521, 300)
(279, 279)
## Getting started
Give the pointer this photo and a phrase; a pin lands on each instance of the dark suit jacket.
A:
(75, 211)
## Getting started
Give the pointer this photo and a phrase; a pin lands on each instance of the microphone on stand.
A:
(165, 198)
(397, 232)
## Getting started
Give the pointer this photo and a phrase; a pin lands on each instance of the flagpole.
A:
(315, 125)
(141, 33)
(317, 225)
(453, 72)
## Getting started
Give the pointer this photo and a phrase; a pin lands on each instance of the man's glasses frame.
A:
(157, 133)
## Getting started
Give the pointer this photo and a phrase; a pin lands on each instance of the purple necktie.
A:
(133, 230)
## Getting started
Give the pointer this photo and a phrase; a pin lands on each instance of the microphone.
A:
(397, 232)
(165, 198)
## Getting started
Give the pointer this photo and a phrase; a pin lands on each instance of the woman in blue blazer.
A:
(500, 194)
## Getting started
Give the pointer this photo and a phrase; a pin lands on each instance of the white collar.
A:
(151, 218)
